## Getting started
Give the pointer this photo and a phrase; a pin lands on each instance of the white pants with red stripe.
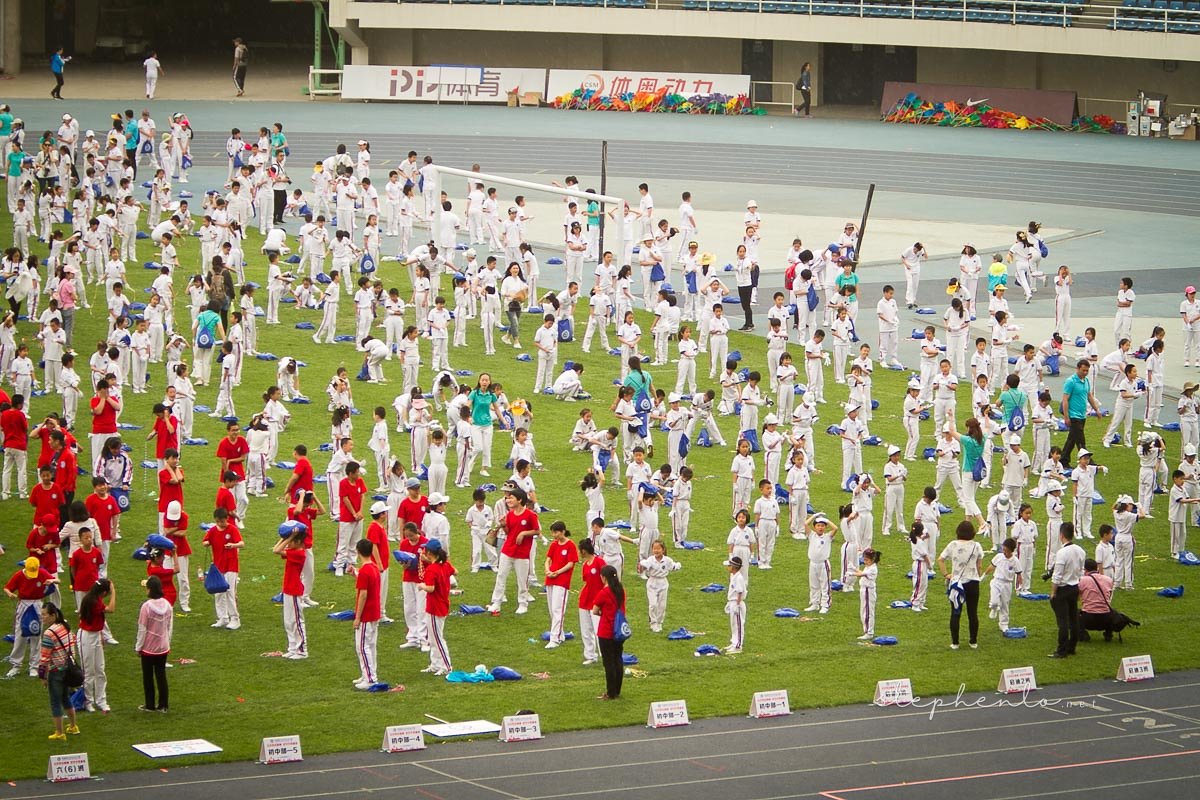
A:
(656, 600)
(818, 584)
(293, 625)
(556, 601)
(365, 636)
(439, 651)
(348, 535)
(414, 614)
(866, 608)
(737, 622)
(920, 581)
(226, 602)
(587, 635)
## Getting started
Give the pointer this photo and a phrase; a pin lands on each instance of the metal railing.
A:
(1090, 106)
(789, 92)
(326, 82)
(1013, 12)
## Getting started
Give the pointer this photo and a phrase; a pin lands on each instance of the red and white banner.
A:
(618, 82)
(456, 84)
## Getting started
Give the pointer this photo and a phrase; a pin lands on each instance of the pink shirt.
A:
(155, 621)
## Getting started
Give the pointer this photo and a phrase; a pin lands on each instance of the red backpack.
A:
(789, 276)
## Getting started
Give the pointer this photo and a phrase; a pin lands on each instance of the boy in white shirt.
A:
(545, 340)
(1005, 569)
(894, 476)
(819, 532)
(439, 334)
(766, 522)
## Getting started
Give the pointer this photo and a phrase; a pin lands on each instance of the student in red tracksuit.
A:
(436, 585)
(224, 540)
(381, 555)
(561, 558)
(366, 615)
(294, 554)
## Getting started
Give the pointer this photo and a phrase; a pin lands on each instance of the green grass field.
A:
(231, 695)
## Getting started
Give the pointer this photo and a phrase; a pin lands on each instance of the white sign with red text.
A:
(68, 767)
(1017, 680)
(1136, 668)
(618, 82)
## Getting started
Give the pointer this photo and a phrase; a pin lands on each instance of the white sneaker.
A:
(522, 609)
(811, 608)
(866, 637)
(824, 610)
(429, 669)
(12, 673)
(218, 624)
(424, 648)
(409, 645)
(233, 626)
(552, 645)
(587, 662)
(185, 609)
(731, 650)
(339, 572)
(362, 686)
(493, 609)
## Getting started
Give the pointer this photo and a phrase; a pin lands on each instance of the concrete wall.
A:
(790, 56)
(1087, 76)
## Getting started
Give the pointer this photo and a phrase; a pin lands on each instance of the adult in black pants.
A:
(962, 565)
(804, 84)
(609, 600)
(1064, 590)
(241, 58)
(1078, 396)
(743, 272)
(155, 622)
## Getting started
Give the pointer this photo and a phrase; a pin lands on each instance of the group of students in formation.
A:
(343, 219)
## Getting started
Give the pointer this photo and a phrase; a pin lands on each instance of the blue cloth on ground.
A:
(1015, 633)
(885, 640)
(1189, 559)
(342, 616)
(679, 634)
(900, 604)
(690, 545)
(568, 636)
(1171, 591)
(620, 525)
(712, 588)
(469, 610)
(708, 650)
(629, 659)
(926, 310)
(458, 676)
(266, 356)
(786, 613)
(505, 674)
(1035, 596)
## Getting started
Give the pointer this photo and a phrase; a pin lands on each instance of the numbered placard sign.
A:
(668, 714)
(402, 738)
(895, 692)
(1017, 680)
(770, 704)
(68, 767)
(1136, 668)
(280, 750)
(521, 728)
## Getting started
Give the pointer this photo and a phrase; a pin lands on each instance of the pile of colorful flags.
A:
(660, 102)
(913, 110)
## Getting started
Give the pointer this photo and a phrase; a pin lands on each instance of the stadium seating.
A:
(1170, 16)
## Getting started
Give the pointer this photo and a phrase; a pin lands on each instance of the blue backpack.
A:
(656, 274)
(689, 280)
(813, 298)
(566, 331)
(204, 339)
(1016, 423)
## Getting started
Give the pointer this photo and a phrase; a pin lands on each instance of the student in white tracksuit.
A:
(766, 522)
(1005, 569)
(922, 563)
(895, 475)
(819, 531)
(654, 570)
(735, 603)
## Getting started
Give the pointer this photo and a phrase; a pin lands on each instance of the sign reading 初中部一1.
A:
(770, 704)
(614, 83)
(472, 84)
(1016, 680)
(520, 728)
(1136, 668)
(667, 714)
(894, 692)
(280, 750)
(68, 767)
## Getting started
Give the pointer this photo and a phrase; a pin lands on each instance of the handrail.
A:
(1056, 13)
(317, 85)
(791, 89)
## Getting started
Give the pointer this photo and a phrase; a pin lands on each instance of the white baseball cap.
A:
(674, 397)
(174, 510)
(378, 507)
(1014, 439)
(437, 498)
(771, 420)
(892, 450)
(1053, 486)
(1189, 450)
(751, 204)
(1083, 451)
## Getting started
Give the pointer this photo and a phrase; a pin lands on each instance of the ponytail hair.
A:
(609, 573)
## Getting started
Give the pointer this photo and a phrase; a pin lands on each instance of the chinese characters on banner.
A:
(619, 82)
(439, 84)
(476, 84)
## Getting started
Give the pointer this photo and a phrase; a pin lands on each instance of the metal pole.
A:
(862, 227)
(317, 13)
(603, 190)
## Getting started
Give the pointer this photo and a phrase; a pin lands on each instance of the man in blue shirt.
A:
(57, 62)
(1077, 398)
